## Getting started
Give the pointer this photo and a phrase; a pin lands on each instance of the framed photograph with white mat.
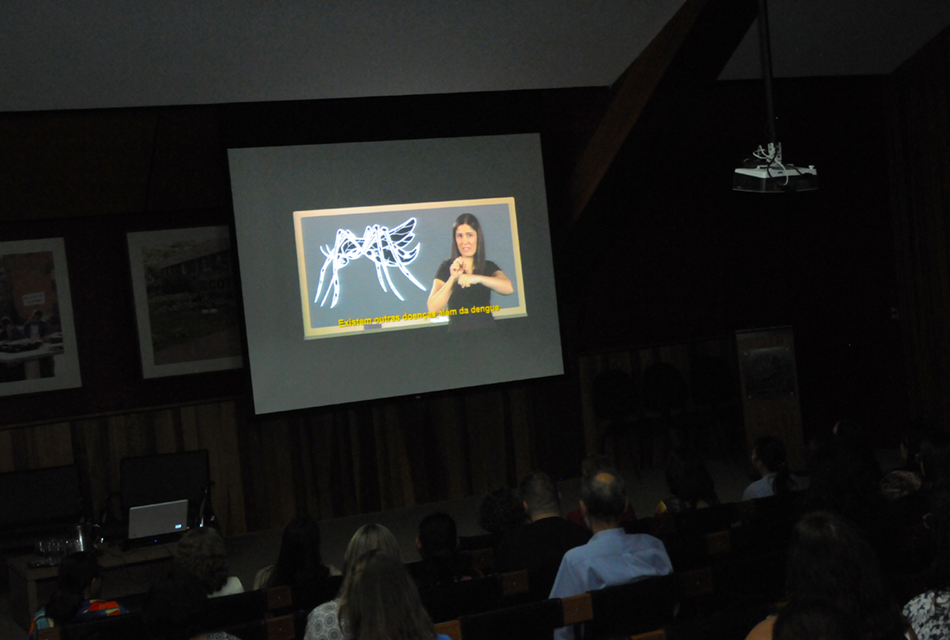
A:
(185, 301)
(37, 338)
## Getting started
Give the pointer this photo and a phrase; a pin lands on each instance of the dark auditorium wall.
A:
(918, 101)
(679, 259)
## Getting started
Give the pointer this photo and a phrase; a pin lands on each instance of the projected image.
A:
(404, 266)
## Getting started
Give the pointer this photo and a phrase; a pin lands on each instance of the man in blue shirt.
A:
(612, 556)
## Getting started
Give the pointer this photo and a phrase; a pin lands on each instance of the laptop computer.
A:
(158, 522)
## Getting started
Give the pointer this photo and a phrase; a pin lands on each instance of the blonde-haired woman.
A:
(324, 622)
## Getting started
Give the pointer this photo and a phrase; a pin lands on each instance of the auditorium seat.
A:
(632, 608)
(534, 621)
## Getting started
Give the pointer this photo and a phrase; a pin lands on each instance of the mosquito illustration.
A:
(385, 247)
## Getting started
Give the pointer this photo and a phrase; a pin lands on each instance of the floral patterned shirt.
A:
(324, 623)
(929, 615)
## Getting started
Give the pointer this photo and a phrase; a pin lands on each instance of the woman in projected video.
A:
(464, 283)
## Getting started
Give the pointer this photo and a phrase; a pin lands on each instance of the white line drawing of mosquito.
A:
(385, 247)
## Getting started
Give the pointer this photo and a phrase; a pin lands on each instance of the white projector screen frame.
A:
(288, 371)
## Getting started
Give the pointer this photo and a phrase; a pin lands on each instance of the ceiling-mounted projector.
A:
(765, 172)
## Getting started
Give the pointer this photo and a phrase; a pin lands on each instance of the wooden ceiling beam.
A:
(688, 53)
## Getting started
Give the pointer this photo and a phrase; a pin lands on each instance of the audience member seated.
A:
(844, 484)
(201, 552)
(542, 542)
(499, 512)
(75, 596)
(438, 544)
(591, 466)
(811, 620)
(768, 458)
(324, 622)
(173, 610)
(906, 480)
(612, 556)
(852, 435)
(382, 602)
(929, 612)
(299, 564)
(830, 561)
(690, 483)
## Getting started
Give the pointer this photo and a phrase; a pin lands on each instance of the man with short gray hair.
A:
(612, 557)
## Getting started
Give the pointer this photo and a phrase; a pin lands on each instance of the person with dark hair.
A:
(542, 542)
(690, 483)
(768, 458)
(906, 480)
(829, 560)
(325, 621)
(201, 552)
(75, 596)
(811, 619)
(467, 280)
(299, 564)
(438, 544)
(500, 511)
(382, 602)
(929, 612)
(173, 610)
(591, 466)
(843, 483)
(612, 556)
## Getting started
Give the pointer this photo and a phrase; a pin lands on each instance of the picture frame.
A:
(185, 296)
(38, 347)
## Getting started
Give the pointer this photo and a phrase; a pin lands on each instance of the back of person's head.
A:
(830, 560)
(500, 511)
(438, 535)
(367, 538)
(842, 481)
(540, 494)
(202, 553)
(604, 497)
(770, 451)
(594, 464)
(76, 575)
(688, 479)
(173, 607)
(811, 619)
(382, 603)
(299, 561)
(438, 546)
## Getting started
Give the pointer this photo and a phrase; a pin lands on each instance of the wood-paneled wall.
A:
(635, 361)
(918, 103)
(328, 463)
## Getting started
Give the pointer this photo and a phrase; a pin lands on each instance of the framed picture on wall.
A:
(37, 339)
(185, 301)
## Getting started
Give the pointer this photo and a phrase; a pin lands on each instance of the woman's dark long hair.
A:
(770, 451)
(829, 560)
(478, 260)
(76, 573)
(438, 546)
(689, 480)
(299, 563)
(383, 603)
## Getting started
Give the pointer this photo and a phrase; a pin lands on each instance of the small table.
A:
(123, 573)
